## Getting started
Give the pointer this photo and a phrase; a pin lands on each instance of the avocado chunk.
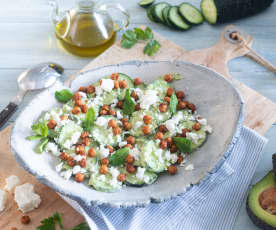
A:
(274, 165)
(261, 203)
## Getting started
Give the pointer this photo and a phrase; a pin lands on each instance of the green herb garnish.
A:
(40, 148)
(51, 222)
(81, 226)
(173, 103)
(129, 105)
(130, 38)
(118, 158)
(63, 95)
(89, 119)
(183, 144)
(41, 131)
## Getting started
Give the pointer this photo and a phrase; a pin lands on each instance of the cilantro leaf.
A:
(183, 144)
(130, 35)
(81, 226)
(127, 44)
(152, 47)
(51, 222)
(129, 105)
(129, 39)
(173, 103)
(119, 157)
(89, 119)
(148, 33)
(140, 34)
(63, 95)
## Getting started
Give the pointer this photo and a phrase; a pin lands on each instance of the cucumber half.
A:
(191, 14)
(157, 11)
(209, 11)
(177, 20)
(146, 3)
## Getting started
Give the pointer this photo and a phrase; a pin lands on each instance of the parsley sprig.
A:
(131, 37)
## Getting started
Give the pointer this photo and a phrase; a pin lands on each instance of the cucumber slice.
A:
(128, 79)
(176, 19)
(142, 86)
(146, 3)
(150, 14)
(191, 14)
(209, 11)
(157, 11)
(165, 13)
(104, 183)
(161, 86)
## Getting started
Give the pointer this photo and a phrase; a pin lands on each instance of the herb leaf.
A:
(148, 33)
(119, 157)
(129, 39)
(177, 76)
(89, 119)
(129, 105)
(81, 226)
(183, 144)
(130, 35)
(63, 95)
(40, 129)
(173, 103)
(51, 222)
(34, 137)
(41, 146)
(152, 47)
(127, 44)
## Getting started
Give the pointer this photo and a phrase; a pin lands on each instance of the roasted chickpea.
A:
(121, 177)
(100, 81)
(146, 130)
(137, 107)
(14, 228)
(84, 134)
(129, 159)
(131, 140)
(103, 112)
(83, 89)
(91, 89)
(84, 108)
(191, 107)
(137, 81)
(169, 141)
(92, 152)
(110, 148)
(116, 131)
(124, 119)
(25, 219)
(163, 107)
(128, 146)
(131, 168)
(123, 84)
(79, 102)
(83, 163)
(147, 119)
(114, 76)
(167, 99)
(179, 159)
(196, 126)
(106, 107)
(112, 112)
(120, 104)
(112, 123)
(103, 169)
(159, 135)
(162, 128)
(180, 94)
(169, 91)
(116, 84)
(63, 117)
(105, 161)
(79, 177)
(127, 125)
(64, 156)
(51, 124)
(71, 162)
(181, 105)
(86, 141)
(77, 96)
(185, 131)
(168, 77)
(172, 169)
(163, 144)
(134, 95)
(76, 110)
(80, 150)
(173, 148)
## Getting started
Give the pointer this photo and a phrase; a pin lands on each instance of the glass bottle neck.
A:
(85, 5)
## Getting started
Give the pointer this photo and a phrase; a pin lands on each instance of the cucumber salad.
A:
(120, 131)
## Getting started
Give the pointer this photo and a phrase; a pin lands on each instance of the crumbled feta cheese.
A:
(59, 167)
(104, 152)
(101, 121)
(192, 136)
(114, 172)
(83, 95)
(173, 158)
(3, 200)
(11, 182)
(53, 148)
(170, 124)
(140, 173)
(78, 158)
(107, 84)
(67, 144)
(189, 167)
(75, 138)
(76, 169)
(113, 182)
(66, 174)
(149, 98)
(157, 141)
(135, 153)
(168, 155)
(102, 178)
(202, 121)
(26, 198)
(146, 179)
(123, 143)
(98, 90)
(158, 153)
(93, 168)
(138, 91)
(119, 115)
(208, 129)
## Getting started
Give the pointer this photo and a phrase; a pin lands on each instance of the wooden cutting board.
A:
(215, 57)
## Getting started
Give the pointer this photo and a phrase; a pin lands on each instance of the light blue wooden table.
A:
(27, 38)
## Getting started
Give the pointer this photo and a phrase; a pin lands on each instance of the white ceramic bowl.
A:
(214, 96)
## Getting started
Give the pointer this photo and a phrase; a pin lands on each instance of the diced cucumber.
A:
(176, 19)
(191, 14)
(104, 183)
(146, 3)
(157, 11)
(209, 11)
(161, 86)
(165, 13)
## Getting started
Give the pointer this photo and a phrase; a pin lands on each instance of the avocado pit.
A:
(267, 200)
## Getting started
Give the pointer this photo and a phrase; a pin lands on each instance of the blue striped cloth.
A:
(214, 204)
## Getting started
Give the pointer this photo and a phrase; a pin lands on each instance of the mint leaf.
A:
(173, 103)
(183, 144)
(40, 129)
(148, 33)
(51, 222)
(33, 138)
(89, 119)
(130, 35)
(81, 226)
(63, 95)
(119, 157)
(152, 47)
(127, 44)
(40, 148)
(129, 105)
(140, 34)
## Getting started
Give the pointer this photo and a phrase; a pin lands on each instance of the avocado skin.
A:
(258, 222)
(274, 165)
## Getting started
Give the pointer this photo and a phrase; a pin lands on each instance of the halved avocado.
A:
(274, 165)
(261, 203)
